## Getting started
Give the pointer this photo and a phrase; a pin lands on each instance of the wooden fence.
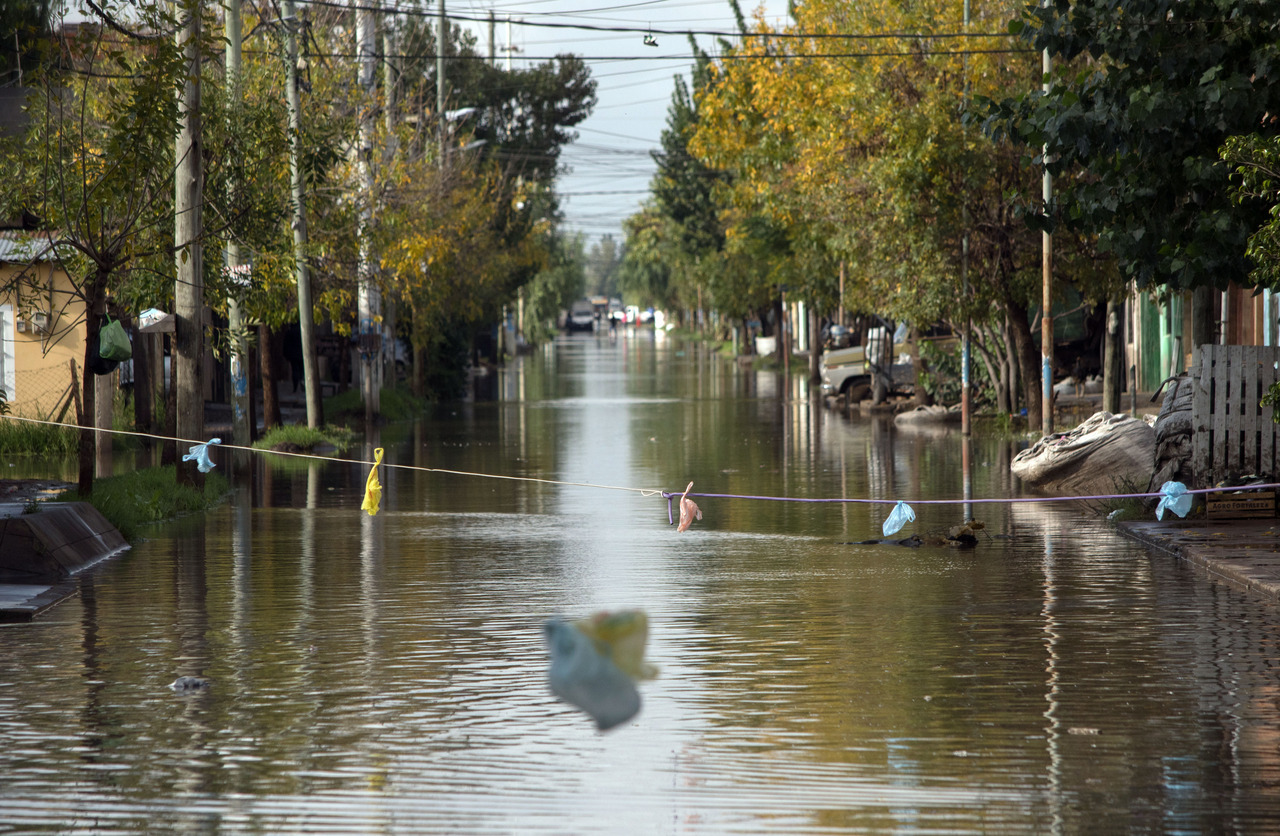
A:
(1232, 433)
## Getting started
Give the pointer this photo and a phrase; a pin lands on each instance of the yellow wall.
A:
(36, 371)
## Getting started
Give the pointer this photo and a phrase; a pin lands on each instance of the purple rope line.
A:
(669, 496)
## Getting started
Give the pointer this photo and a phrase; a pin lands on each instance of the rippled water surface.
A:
(387, 674)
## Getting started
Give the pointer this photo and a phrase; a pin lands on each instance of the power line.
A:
(715, 33)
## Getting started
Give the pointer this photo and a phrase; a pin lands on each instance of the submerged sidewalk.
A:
(1243, 552)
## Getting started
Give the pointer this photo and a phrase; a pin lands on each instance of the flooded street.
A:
(388, 673)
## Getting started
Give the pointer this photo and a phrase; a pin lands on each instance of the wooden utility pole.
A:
(188, 229)
(306, 314)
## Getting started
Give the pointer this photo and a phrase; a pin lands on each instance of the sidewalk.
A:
(1245, 553)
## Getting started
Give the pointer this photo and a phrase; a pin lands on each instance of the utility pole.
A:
(188, 292)
(241, 432)
(306, 314)
(390, 81)
(966, 356)
(442, 41)
(1046, 321)
(368, 299)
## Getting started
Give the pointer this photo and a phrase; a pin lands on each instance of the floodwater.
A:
(388, 674)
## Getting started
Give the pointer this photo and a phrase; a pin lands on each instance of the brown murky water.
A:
(387, 674)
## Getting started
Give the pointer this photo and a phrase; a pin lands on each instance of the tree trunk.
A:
(188, 305)
(815, 346)
(1028, 360)
(267, 363)
(1202, 321)
(1113, 358)
(88, 382)
(143, 405)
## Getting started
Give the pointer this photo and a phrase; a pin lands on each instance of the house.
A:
(1159, 328)
(42, 328)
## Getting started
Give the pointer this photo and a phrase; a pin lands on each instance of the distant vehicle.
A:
(845, 371)
(582, 317)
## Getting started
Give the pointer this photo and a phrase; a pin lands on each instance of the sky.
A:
(609, 165)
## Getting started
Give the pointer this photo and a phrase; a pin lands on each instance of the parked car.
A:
(582, 317)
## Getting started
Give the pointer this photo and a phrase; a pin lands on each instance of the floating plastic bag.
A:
(898, 517)
(113, 342)
(1175, 498)
(200, 455)
(372, 487)
(583, 677)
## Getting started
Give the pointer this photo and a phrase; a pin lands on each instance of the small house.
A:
(42, 328)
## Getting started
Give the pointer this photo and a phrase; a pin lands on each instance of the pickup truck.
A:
(845, 372)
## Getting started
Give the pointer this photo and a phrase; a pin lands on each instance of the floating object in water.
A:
(184, 684)
(689, 510)
(199, 453)
(584, 678)
(372, 487)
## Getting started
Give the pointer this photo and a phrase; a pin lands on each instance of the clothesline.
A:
(1170, 493)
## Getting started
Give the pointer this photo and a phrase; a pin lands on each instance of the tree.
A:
(1150, 92)
(96, 167)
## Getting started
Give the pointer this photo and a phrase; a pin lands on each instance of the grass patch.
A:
(143, 497)
(297, 438)
(397, 404)
(19, 438)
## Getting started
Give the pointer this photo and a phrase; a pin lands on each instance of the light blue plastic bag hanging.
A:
(898, 517)
(1175, 498)
(200, 455)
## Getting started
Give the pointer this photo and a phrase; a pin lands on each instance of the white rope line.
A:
(645, 492)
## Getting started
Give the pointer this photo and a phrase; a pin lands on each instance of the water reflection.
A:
(388, 673)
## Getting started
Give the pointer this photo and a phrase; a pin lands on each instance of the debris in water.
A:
(185, 684)
(689, 510)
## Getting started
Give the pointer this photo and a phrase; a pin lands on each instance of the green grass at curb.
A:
(133, 500)
(300, 438)
(395, 403)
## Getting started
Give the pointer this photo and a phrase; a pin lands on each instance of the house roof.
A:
(18, 247)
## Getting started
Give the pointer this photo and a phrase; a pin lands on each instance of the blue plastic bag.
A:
(200, 455)
(1175, 498)
(898, 517)
(582, 677)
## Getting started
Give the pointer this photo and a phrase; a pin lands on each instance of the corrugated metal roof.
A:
(18, 247)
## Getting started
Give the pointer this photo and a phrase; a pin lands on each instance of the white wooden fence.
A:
(1232, 433)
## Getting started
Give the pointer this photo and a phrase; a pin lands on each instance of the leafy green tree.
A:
(1149, 93)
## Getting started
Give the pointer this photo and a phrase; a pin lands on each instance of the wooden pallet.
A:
(1232, 433)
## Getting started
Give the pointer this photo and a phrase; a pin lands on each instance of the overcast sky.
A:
(610, 163)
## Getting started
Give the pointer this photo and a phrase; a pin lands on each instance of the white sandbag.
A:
(1104, 455)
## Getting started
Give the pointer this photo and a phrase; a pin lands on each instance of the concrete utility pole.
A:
(241, 432)
(1046, 321)
(390, 82)
(306, 315)
(966, 384)
(188, 187)
(368, 298)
